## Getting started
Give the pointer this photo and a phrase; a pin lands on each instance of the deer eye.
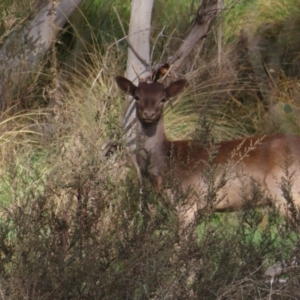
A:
(163, 100)
(137, 98)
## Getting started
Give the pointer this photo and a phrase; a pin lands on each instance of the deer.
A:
(265, 160)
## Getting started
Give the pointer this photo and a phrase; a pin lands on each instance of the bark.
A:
(205, 17)
(24, 49)
(138, 60)
(139, 39)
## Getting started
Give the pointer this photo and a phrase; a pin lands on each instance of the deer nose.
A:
(148, 114)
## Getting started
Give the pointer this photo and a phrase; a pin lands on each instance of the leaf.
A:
(287, 108)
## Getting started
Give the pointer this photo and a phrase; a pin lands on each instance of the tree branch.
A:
(205, 17)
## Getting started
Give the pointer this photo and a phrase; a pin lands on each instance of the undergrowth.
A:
(70, 223)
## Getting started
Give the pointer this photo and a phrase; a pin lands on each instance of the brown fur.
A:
(253, 159)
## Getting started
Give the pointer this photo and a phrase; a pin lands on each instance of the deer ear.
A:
(125, 85)
(176, 87)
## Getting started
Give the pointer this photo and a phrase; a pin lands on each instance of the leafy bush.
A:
(71, 225)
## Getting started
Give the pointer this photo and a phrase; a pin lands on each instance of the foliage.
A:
(70, 225)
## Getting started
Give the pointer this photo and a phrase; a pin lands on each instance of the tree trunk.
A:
(139, 39)
(24, 49)
(138, 60)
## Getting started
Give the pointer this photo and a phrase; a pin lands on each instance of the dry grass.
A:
(72, 228)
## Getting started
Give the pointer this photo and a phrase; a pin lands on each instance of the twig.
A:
(137, 74)
(219, 8)
(154, 44)
(129, 44)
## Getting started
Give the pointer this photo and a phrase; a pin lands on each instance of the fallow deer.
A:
(260, 160)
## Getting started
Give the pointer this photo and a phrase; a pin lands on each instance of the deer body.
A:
(259, 160)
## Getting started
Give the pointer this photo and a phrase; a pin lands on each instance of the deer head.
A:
(150, 97)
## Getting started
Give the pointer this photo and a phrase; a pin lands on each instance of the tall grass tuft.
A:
(71, 226)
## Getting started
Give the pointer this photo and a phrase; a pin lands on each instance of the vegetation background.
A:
(70, 224)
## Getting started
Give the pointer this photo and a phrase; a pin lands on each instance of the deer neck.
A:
(152, 147)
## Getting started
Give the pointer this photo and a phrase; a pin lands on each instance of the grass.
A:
(250, 15)
(70, 221)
